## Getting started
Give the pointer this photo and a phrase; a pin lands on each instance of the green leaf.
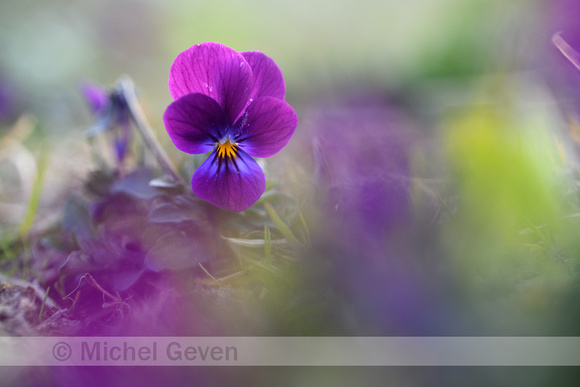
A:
(76, 219)
(175, 213)
(136, 184)
(256, 242)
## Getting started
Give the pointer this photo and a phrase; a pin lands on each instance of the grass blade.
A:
(282, 226)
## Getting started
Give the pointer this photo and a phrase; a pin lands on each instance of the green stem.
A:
(127, 88)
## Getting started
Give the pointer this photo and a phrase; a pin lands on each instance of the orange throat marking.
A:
(227, 149)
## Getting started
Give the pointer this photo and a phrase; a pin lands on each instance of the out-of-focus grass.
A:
(35, 195)
(282, 226)
(509, 241)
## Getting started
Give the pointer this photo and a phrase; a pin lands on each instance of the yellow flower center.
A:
(227, 149)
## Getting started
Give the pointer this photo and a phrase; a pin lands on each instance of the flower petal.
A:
(195, 123)
(97, 98)
(268, 79)
(231, 183)
(216, 71)
(267, 127)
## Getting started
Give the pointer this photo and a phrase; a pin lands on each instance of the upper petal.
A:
(216, 71)
(97, 97)
(267, 128)
(195, 123)
(268, 79)
(232, 184)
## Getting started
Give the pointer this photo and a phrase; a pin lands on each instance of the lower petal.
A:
(230, 183)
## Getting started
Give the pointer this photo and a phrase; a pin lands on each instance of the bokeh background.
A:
(47, 47)
(442, 135)
(431, 55)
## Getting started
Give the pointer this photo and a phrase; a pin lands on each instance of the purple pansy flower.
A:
(230, 104)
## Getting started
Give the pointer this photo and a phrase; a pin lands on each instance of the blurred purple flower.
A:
(109, 245)
(111, 113)
(230, 104)
(366, 185)
(366, 224)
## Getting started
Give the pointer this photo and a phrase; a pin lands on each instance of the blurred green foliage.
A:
(509, 238)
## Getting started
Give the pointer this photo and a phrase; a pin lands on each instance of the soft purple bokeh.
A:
(6, 102)
(234, 101)
(362, 159)
(562, 17)
(363, 154)
(9, 100)
(114, 248)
